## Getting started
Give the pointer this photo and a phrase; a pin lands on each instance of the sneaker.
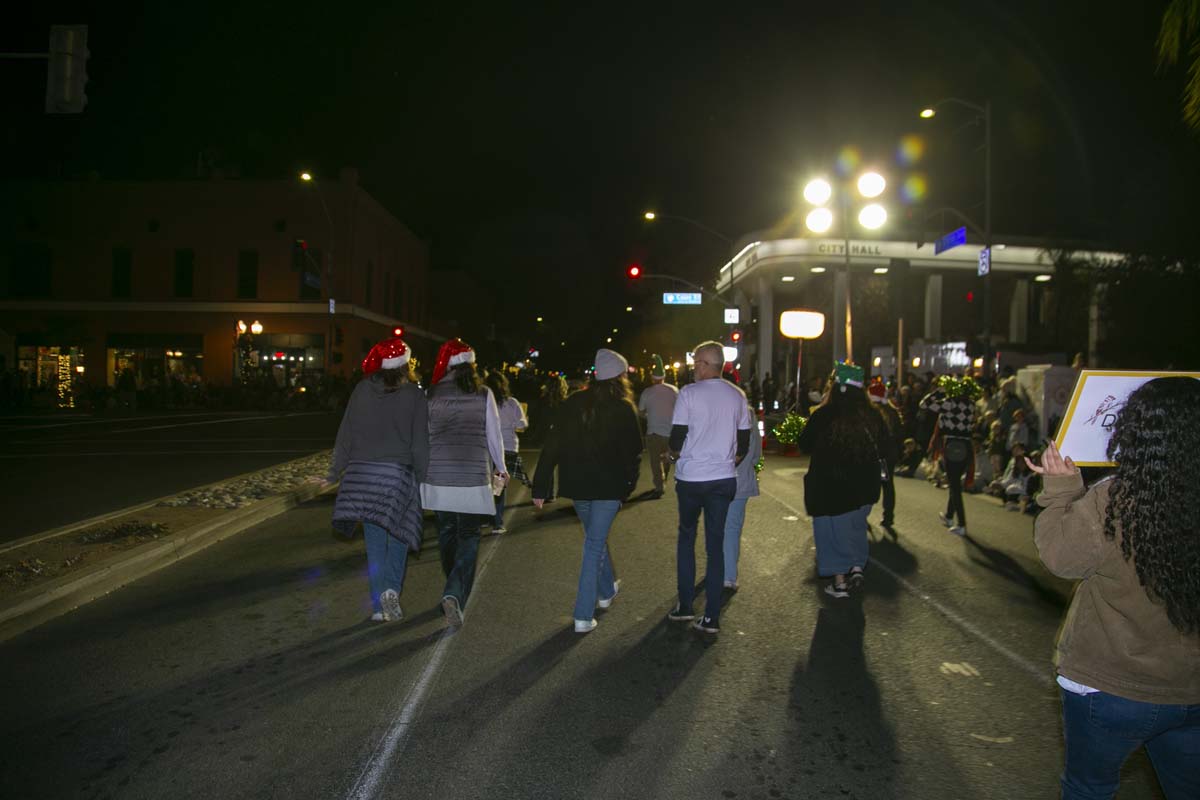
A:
(731, 585)
(585, 625)
(678, 614)
(958, 530)
(605, 602)
(499, 529)
(839, 590)
(390, 600)
(857, 577)
(707, 625)
(378, 617)
(452, 610)
(947, 521)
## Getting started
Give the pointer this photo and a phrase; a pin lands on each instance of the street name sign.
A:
(732, 316)
(332, 306)
(985, 261)
(951, 239)
(682, 298)
(1098, 397)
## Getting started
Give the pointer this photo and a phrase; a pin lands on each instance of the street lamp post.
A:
(799, 324)
(308, 178)
(872, 216)
(984, 113)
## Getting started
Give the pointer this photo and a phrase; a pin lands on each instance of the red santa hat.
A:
(877, 391)
(453, 353)
(388, 354)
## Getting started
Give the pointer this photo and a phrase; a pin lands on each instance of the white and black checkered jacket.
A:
(956, 416)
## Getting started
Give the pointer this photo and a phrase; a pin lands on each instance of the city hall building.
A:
(202, 281)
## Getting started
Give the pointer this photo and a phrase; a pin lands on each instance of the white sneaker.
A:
(731, 585)
(958, 530)
(378, 617)
(585, 625)
(390, 600)
(947, 521)
(453, 611)
(605, 602)
(499, 529)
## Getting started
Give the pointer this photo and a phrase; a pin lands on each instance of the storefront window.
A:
(54, 376)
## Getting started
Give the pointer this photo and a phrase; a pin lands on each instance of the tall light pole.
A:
(308, 178)
(984, 113)
(818, 192)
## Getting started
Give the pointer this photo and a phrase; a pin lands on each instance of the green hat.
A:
(658, 371)
(846, 373)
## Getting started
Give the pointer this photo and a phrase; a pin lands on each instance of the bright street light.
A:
(629, 308)
(819, 220)
(927, 113)
(306, 176)
(539, 319)
(256, 327)
(872, 217)
(608, 340)
(871, 184)
(241, 326)
(818, 191)
(649, 215)
(1043, 278)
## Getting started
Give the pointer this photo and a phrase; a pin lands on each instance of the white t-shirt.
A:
(512, 419)
(714, 410)
(658, 404)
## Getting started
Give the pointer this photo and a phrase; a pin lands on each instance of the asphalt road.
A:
(249, 671)
(56, 470)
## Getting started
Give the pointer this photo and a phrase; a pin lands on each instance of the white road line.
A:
(211, 422)
(115, 421)
(371, 780)
(1040, 673)
(77, 454)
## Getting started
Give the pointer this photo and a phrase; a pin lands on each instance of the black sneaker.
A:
(707, 625)
(857, 577)
(678, 614)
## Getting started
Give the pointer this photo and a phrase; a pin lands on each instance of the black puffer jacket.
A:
(841, 479)
(600, 462)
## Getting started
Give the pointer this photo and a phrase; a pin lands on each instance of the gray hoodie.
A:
(383, 425)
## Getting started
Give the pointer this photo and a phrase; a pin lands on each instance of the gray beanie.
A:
(610, 364)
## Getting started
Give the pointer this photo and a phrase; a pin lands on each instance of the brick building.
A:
(100, 279)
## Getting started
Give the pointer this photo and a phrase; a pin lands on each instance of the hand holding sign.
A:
(1053, 464)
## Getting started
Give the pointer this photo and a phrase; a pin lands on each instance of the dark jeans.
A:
(1102, 730)
(889, 496)
(713, 498)
(458, 541)
(954, 477)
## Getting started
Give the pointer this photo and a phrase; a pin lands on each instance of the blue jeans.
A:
(597, 576)
(386, 559)
(1102, 730)
(733, 536)
(458, 542)
(841, 541)
(713, 498)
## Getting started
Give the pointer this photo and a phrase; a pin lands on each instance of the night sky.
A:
(523, 141)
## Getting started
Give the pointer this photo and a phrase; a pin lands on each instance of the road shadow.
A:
(1010, 569)
(842, 744)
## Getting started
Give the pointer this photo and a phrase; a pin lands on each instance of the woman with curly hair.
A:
(1129, 652)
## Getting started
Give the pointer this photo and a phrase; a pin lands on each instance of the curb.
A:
(43, 603)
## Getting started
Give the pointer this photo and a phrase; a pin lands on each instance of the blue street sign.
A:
(951, 239)
(682, 298)
(985, 261)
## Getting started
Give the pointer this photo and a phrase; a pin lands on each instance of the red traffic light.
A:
(397, 331)
(634, 271)
(301, 244)
(736, 336)
(970, 296)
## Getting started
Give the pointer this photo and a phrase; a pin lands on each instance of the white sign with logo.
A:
(985, 261)
(733, 316)
(332, 305)
(1099, 396)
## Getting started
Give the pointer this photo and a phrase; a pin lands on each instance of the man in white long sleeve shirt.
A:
(657, 405)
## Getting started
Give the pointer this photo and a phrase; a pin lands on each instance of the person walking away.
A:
(889, 448)
(466, 455)
(596, 446)
(710, 435)
(953, 401)
(512, 422)
(381, 455)
(845, 473)
(747, 487)
(1128, 654)
(657, 405)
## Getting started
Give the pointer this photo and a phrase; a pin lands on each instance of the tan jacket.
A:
(1114, 638)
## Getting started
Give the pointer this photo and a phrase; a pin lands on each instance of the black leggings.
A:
(954, 503)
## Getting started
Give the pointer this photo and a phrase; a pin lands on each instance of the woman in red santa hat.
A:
(381, 455)
(466, 459)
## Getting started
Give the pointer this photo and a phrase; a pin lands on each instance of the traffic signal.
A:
(67, 73)
(736, 336)
(634, 271)
(398, 331)
(338, 336)
(970, 296)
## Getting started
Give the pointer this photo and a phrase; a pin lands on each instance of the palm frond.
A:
(1179, 23)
